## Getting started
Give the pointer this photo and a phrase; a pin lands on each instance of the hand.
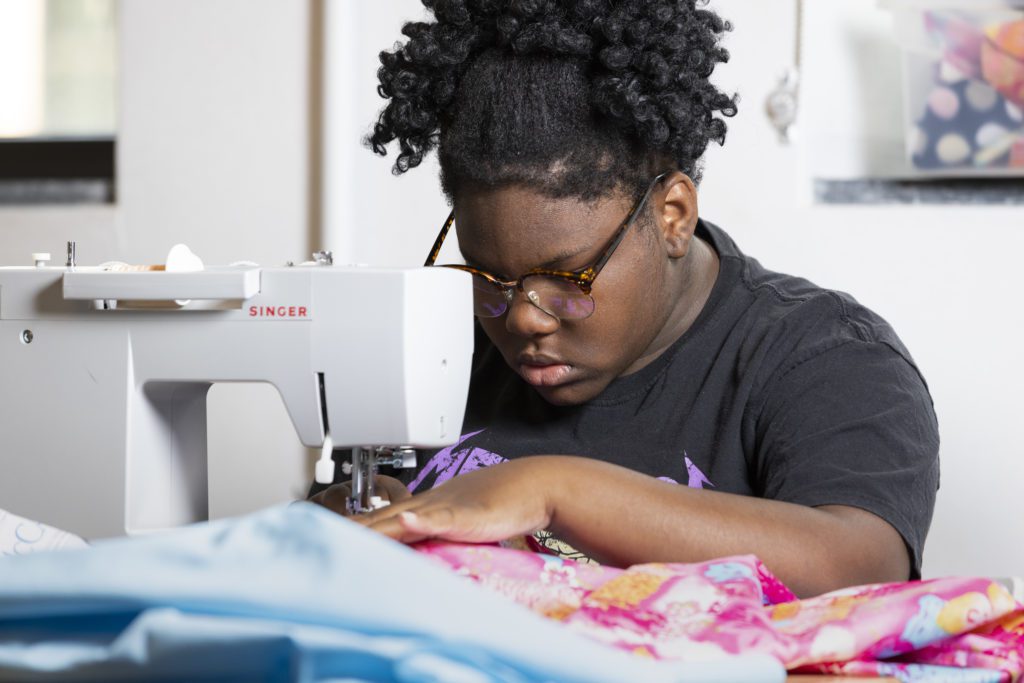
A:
(490, 504)
(335, 498)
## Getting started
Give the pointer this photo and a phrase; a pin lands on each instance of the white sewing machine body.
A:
(103, 377)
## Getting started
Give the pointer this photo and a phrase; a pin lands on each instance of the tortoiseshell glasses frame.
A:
(555, 300)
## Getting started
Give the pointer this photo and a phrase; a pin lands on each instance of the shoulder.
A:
(785, 321)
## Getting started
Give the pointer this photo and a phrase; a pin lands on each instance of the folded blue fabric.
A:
(292, 593)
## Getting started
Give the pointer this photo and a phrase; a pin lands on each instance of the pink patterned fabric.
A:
(954, 629)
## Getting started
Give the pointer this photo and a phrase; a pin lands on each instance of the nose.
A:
(524, 319)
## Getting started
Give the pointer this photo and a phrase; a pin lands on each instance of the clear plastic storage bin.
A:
(963, 85)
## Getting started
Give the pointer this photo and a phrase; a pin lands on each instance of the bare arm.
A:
(622, 517)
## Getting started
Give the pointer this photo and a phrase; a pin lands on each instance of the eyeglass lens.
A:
(555, 296)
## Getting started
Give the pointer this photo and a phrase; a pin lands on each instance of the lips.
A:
(541, 370)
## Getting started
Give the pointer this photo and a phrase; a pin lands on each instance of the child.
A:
(642, 390)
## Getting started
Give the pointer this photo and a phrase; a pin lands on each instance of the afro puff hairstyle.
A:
(569, 97)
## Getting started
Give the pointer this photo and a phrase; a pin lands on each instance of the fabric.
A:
(300, 594)
(952, 629)
(20, 536)
(780, 389)
(292, 594)
(973, 114)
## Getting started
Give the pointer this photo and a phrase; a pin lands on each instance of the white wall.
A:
(945, 277)
(371, 216)
(212, 151)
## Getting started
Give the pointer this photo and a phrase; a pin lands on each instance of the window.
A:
(58, 68)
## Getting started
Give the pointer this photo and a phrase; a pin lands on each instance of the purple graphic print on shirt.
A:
(454, 460)
(696, 478)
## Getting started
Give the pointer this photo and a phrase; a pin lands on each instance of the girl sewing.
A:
(642, 390)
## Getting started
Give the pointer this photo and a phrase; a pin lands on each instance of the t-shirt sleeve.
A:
(852, 424)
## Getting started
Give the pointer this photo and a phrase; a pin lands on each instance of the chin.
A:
(572, 394)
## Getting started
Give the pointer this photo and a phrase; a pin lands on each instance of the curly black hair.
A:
(570, 97)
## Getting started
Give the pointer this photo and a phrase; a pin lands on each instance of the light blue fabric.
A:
(292, 593)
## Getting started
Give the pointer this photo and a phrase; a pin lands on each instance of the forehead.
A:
(513, 229)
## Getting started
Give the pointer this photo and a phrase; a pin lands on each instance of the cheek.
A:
(632, 294)
(626, 317)
(494, 328)
(623, 315)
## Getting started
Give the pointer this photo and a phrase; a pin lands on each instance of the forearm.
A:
(622, 517)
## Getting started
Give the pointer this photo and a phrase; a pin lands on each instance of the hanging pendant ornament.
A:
(781, 104)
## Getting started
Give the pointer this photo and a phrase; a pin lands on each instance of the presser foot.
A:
(363, 469)
(375, 503)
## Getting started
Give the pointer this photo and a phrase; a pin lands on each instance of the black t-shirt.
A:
(780, 389)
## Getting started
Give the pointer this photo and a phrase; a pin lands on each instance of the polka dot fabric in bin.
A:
(973, 114)
(968, 123)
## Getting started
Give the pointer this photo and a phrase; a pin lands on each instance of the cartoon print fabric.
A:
(953, 629)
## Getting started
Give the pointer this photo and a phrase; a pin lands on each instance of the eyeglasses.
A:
(564, 295)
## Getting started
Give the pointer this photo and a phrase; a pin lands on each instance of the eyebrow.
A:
(562, 257)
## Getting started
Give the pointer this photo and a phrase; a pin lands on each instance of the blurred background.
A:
(235, 126)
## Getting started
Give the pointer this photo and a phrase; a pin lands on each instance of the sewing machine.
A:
(104, 373)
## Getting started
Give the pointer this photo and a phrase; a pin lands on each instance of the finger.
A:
(436, 523)
(371, 517)
(392, 528)
(395, 507)
(338, 496)
(334, 498)
(412, 526)
(392, 489)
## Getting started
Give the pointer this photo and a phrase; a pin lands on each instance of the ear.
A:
(675, 207)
